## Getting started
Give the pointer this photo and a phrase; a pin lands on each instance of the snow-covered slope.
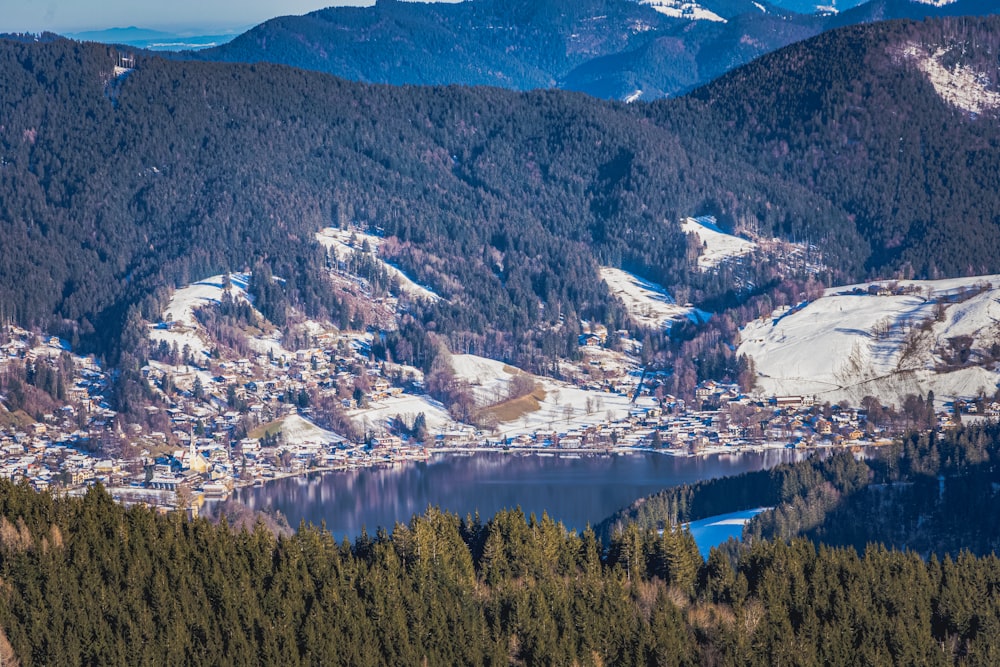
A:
(377, 415)
(562, 406)
(179, 324)
(340, 241)
(296, 430)
(718, 245)
(916, 336)
(683, 9)
(649, 304)
(489, 379)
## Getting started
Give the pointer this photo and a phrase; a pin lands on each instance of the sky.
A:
(64, 16)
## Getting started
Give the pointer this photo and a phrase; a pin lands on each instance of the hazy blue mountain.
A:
(618, 49)
(154, 40)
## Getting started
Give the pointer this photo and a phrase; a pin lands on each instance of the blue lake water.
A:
(715, 530)
(575, 491)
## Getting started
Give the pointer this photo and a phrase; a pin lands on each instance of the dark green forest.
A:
(909, 169)
(931, 493)
(88, 582)
(504, 203)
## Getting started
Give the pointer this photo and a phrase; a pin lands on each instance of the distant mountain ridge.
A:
(153, 40)
(618, 49)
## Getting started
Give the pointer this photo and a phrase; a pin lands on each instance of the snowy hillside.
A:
(554, 406)
(377, 415)
(296, 430)
(717, 245)
(649, 304)
(344, 242)
(682, 9)
(883, 339)
(179, 325)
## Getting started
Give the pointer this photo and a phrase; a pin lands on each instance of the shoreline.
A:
(572, 453)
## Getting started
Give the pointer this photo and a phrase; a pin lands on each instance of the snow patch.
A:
(683, 9)
(717, 245)
(633, 96)
(340, 242)
(960, 86)
(649, 304)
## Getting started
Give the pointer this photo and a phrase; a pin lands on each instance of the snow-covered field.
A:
(339, 240)
(564, 408)
(179, 324)
(296, 430)
(718, 245)
(489, 379)
(849, 343)
(378, 414)
(649, 304)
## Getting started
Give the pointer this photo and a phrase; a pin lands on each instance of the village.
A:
(254, 421)
(312, 397)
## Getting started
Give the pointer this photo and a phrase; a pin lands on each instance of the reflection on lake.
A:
(576, 491)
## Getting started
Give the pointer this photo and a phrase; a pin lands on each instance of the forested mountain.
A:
(608, 48)
(896, 122)
(504, 203)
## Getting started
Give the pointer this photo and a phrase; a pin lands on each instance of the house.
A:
(789, 402)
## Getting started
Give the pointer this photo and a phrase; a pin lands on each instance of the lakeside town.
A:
(230, 400)
(247, 421)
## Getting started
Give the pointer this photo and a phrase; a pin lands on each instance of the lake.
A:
(574, 490)
(714, 530)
